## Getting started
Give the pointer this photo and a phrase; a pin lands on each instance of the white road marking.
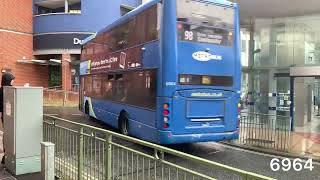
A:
(213, 152)
(52, 114)
(76, 114)
(9, 177)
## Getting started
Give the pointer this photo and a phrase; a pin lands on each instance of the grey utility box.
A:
(23, 117)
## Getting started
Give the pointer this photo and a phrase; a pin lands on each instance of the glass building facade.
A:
(270, 48)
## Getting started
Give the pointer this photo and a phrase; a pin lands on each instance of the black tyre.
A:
(124, 124)
(86, 112)
(86, 108)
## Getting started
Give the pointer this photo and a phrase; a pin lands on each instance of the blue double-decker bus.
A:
(168, 72)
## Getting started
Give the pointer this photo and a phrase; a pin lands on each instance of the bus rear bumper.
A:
(166, 137)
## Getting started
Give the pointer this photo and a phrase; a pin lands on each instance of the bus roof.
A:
(138, 10)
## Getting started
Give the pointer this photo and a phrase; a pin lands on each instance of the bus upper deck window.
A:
(202, 22)
(110, 77)
(119, 77)
(203, 13)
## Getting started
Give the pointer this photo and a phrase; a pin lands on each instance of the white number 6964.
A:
(286, 164)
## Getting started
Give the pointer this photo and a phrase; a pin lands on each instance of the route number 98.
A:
(286, 164)
(188, 35)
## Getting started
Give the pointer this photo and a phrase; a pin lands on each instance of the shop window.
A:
(47, 8)
(58, 6)
(124, 10)
(55, 76)
(74, 7)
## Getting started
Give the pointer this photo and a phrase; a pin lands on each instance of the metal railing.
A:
(60, 98)
(86, 152)
(74, 88)
(265, 130)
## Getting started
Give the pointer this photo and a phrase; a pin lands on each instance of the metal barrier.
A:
(264, 130)
(60, 98)
(86, 152)
(74, 88)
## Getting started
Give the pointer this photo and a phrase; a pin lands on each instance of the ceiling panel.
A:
(277, 8)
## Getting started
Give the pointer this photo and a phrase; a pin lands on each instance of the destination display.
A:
(203, 34)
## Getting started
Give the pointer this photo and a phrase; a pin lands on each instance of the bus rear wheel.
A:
(124, 124)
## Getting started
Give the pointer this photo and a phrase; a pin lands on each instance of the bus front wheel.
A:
(87, 113)
(124, 124)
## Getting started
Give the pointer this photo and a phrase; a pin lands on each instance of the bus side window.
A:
(119, 77)
(118, 89)
(151, 23)
(88, 86)
(110, 77)
(150, 94)
(96, 86)
(108, 85)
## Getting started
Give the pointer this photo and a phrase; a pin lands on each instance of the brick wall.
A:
(66, 72)
(16, 16)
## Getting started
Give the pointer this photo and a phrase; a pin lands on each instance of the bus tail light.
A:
(166, 125)
(239, 108)
(166, 119)
(166, 112)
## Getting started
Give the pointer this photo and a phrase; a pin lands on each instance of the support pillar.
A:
(66, 6)
(66, 72)
(251, 72)
(300, 101)
(309, 102)
(272, 103)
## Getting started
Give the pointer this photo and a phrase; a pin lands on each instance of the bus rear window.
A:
(205, 80)
(205, 13)
(205, 23)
